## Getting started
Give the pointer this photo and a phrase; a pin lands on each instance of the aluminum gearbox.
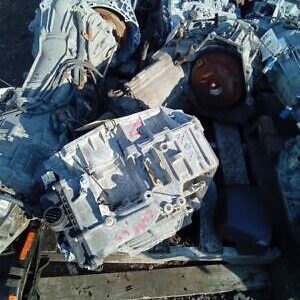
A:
(128, 184)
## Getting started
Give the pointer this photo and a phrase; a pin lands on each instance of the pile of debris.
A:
(100, 144)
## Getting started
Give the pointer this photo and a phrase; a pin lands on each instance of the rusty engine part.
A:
(120, 15)
(217, 78)
(219, 67)
(116, 21)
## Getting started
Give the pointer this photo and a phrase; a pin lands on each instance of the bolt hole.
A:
(148, 195)
(164, 147)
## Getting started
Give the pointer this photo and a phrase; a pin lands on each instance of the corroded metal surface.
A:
(119, 26)
(217, 78)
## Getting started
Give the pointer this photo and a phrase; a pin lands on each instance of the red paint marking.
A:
(144, 222)
(140, 227)
(119, 236)
(135, 126)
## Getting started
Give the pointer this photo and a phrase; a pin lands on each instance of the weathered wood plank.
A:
(184, 281)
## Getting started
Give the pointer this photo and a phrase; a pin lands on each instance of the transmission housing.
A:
(128, 184)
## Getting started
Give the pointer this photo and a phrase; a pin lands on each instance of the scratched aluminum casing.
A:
(129, 184)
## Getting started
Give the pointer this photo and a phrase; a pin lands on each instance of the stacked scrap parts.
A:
(144, 191)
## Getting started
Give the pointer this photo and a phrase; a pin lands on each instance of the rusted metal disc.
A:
(116, 21)
(217, 78)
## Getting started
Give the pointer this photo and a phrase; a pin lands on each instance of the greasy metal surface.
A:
(217, 78)
(119, 26)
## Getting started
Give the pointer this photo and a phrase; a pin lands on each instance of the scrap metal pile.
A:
(100, 143)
